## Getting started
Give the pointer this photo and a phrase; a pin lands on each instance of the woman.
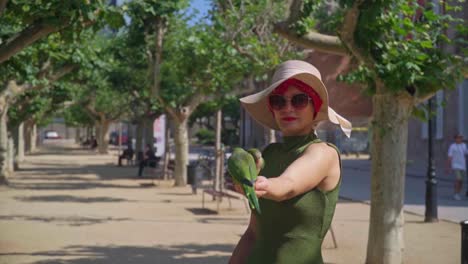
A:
(299, 186)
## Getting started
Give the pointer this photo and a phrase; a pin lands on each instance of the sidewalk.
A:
(75, 207)
(356, 186)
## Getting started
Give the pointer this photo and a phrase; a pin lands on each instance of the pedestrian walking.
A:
(456, 163)
(298, 187)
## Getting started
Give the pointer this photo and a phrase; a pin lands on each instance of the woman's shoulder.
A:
(322, 148)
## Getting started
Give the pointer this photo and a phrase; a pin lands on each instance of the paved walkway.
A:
(72, 206)
(356, 185)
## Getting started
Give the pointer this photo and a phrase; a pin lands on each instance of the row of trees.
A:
(89, 64)
(97, 63)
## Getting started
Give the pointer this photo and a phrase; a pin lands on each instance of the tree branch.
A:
(247, 86)
(244, 52)
(160, 29)
(94, 115)
(313, 40)
(53, 77)
(44, 69)
(3, 4)
(25, 38)
(194, 101)
(62, 71)
(347, 35)
(294, 11)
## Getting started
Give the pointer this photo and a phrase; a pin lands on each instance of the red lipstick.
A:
(288, 118)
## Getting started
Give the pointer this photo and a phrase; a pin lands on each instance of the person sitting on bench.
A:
(127, 154)
(149, 159)
(94, 143)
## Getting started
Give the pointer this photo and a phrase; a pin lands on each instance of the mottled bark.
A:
(34, 138)
(3, 146)
(182, 150)
(218, 175)
(102, 135)
(11, 153)
(388, 149)
(25, 38)
(167, 152)
(19, 143)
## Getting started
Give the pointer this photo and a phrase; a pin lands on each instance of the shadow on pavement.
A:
(66, 221)
(67, 186)
(223, 220)
(69, 198)
(57, 176)
(201, 211)
(186, 253)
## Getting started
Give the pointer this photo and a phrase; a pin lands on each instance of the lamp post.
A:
(431, 181)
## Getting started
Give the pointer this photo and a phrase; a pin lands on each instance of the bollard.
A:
(464, 242)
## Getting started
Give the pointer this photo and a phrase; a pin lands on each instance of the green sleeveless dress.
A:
(292, 231)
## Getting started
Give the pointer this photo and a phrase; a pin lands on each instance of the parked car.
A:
(51, 134)
(114, 138)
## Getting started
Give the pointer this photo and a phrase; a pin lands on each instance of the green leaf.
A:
(426, 44)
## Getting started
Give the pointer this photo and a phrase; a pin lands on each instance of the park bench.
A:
(219, 195)
(228, 192)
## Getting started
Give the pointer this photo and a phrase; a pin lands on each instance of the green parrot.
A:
(243, 169)
(257, 155)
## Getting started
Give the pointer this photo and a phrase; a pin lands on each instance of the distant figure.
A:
(94, 143)
(149, 159)
(127, 154)
(456, 162)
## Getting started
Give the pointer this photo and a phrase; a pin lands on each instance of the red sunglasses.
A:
(298, 101)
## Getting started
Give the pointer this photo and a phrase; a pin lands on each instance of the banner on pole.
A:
(159, 127)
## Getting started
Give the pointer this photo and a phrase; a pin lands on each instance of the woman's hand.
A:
(261, 186)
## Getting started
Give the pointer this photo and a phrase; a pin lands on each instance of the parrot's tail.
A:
(253, 201)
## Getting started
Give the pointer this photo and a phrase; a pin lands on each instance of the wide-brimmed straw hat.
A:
(257, 104)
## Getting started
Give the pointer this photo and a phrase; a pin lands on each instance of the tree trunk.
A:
(11, 153)
(88, 132)
(167, 150)
(139, 137)
(390, 127)
(181, 149)
(33, 138)
(27, 136)
(3, 146)
(18, 136)
(102, 136)
(77, 135)
(149, 132)
(217, 183)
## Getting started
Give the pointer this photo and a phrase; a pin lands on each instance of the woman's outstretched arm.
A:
(319, 166)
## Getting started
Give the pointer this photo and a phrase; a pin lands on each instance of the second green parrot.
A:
(243, 168)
